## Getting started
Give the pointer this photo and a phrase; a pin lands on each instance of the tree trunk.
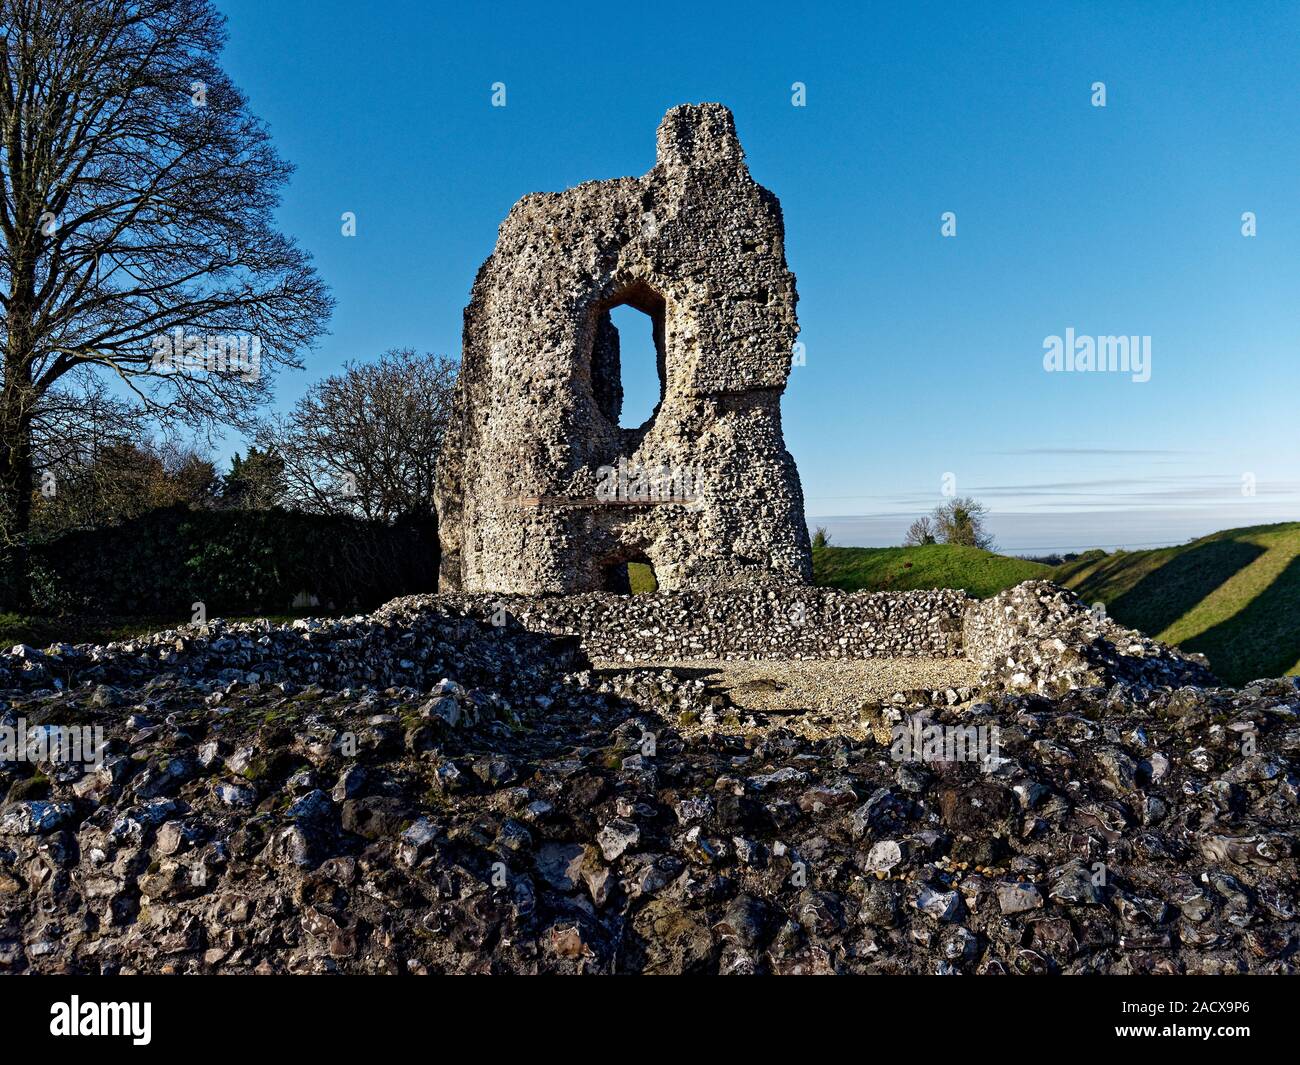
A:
(16, 411)
(16, 461)
(15, 511)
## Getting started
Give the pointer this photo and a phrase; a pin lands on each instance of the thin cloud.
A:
(1095, 451)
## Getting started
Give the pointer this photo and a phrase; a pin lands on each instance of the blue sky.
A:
(924, 354)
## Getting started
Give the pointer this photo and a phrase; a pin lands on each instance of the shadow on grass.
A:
(1165, 594)
(1262, 639)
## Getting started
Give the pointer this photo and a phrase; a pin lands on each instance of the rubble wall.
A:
(1035, 637)
(749, 623)
(1043, 638)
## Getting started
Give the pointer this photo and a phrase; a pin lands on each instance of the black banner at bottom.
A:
(145, 1014)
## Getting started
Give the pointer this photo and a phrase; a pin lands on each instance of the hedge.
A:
(233, 562)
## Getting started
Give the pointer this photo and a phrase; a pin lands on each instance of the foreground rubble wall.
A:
(445, 797)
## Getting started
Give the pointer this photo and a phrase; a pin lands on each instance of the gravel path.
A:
(812, 698)
(825, 685)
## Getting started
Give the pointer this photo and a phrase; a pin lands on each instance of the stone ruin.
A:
(539, 489)
(541, 492)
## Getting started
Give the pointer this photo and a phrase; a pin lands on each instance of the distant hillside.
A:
(1234, 596)
(980, 573)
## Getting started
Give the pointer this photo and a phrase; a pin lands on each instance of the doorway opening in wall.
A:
(635, 576)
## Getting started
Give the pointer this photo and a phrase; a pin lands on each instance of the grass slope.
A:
(1234, 596)
(980, 573)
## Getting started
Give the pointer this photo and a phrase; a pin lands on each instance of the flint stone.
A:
(35, 817)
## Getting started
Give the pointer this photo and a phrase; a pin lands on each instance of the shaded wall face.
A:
(540, 489)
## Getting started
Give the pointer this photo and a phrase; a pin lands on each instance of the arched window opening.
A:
(638, 366)
(627, 363)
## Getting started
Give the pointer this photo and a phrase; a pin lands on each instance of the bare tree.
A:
(136, 231)
(366, 441)
(77, 420)
(961, 522)
(919, 533)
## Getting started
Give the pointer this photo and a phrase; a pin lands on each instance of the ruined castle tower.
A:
(539, 489)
